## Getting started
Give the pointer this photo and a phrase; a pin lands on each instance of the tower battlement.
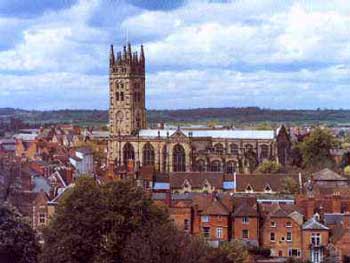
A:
(127, 61)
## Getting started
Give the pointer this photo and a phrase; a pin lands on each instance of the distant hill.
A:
(201, 115)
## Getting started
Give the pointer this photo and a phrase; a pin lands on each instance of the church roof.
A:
(328, 175)
(229, 134)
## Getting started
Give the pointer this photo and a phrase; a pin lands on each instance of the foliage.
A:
(17, 239)
(164, 244)
(229, 252)
(289, 185)
(315, 149)
(347, 170)
(269, 167)
(92, 222)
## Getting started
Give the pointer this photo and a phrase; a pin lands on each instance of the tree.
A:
(164, 244)
(347, 170)
(229, 252)
(93, 222)
(315, 149)
(289, 185)
(269, 167)
(17, 238)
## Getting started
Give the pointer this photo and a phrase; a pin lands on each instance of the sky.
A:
(278, 54)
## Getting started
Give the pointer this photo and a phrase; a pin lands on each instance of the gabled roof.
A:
(313, 224)
(196, 179)
(328, 175)
(245, 210)
(216, 208)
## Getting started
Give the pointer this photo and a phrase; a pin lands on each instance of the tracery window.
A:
(215, 166)
(148, 154)
(179, 159)
(128, 152)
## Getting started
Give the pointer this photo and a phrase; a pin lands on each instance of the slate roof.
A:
(229, 134)
(216, 208)
(328, 175)
(260, 181)
(196, 179)
(333, 219)
(245, 210)
(313, 224)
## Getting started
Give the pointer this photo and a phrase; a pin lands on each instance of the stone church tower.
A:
(127, 113)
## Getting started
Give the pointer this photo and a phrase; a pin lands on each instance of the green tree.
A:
(229, 252)
(17, 238)
(315, 149)
(269, 167)
(289, 185)
(347, 170)
(164, 244)
(92, 222)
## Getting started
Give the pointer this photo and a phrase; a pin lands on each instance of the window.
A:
(165, 157)
(316, 239)
(268, 188)
(289, 224)
(205, 219)
(186, 225)
(289, 236)
(219, 148)
(215, 166)
(272, 237)
(245, 220)
(148, 154)
(219, 232)
(294, 252)
(234, 149)
(249, 148)
(249, 189)
(231, 167)
(128, 153)
(206, 232)
(179, 159)
(273, 224)
(42, 218)
(264, 151)
(117, 95)
(245, 234)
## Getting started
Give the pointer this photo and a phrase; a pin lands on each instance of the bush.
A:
(269, 167)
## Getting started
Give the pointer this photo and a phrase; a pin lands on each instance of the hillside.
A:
(202, 115)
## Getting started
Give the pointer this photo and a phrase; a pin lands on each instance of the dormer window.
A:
(249, 189)
(273, 224)
(288, 224)
(268, 189)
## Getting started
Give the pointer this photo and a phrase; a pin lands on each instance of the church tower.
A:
(127, 112)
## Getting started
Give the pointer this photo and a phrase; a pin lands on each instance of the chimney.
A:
(235, 181)
(300, 183)
(310, 207)
(336, 202)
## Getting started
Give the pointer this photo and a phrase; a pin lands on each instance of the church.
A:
(131, 142)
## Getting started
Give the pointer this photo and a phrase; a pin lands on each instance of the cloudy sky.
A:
(266, 53)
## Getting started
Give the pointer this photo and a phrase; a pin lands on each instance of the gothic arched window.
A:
(234, 149)
(148, 154)
(249, 148)
(264, 151)
(215, 166)
(200, 166)
(230, 167)
(128, 152)
(179, 159)
(219, 148)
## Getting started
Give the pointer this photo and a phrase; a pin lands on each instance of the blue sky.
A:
(266, 53)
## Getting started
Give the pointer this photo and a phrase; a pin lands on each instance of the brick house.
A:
(281, 231)
(245, 223)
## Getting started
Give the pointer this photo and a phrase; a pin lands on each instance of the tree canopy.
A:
(18, 243)
(315, 149)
